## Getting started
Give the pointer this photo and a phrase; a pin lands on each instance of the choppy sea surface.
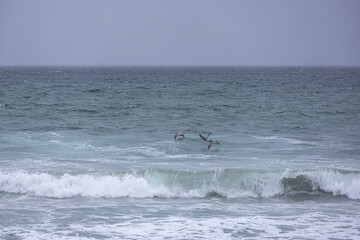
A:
(89, 153)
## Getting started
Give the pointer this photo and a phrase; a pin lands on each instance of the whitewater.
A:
(229, 183)
(89, 153)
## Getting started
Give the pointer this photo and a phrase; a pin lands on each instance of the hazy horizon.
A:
(180, 33)
(181, 66)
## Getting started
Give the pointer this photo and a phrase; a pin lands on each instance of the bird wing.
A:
(207, 136)
(203, 138)
(210, 144)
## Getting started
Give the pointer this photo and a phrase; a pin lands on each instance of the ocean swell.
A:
(161, 183)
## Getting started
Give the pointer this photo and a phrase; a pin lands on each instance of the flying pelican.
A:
(205, 138)
(179, 134)
(212, 142)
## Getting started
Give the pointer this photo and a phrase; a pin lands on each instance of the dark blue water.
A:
(90, 153)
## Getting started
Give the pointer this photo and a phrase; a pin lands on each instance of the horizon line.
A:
(179, 66)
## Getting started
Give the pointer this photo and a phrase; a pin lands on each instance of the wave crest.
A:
(229, 183)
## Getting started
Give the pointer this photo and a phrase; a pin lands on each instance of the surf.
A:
(165, 183)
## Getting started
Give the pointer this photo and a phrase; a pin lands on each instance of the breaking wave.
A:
(226, 183)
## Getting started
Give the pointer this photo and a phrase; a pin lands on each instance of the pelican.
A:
(205, 138)
(179, 134)
(212, 142)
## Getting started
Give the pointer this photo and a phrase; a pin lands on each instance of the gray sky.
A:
(180, 32)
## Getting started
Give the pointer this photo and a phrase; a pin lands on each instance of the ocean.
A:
(89, 153)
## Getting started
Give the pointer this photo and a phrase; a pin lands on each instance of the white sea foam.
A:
(67, 185)
(134, 152)
(158, 149)
(284, 139)
(339, 184)
(231, 183)
(213, 227)
(187, 156)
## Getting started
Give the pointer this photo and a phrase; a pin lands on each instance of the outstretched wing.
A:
(207, 136)
(210, 144)
(202, 137)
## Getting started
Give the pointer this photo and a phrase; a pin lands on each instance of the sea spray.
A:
(230, 183)
(66, 186)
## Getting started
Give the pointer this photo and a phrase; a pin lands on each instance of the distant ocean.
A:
(89, 153)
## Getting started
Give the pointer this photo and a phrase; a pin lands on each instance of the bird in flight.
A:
(179, 134)
(212, 142)
(205, 138)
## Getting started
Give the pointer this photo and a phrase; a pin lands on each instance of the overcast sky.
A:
(180, 32)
